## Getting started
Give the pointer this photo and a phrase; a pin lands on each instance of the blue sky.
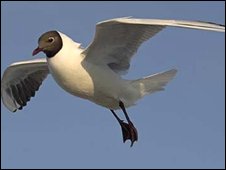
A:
(181, 127)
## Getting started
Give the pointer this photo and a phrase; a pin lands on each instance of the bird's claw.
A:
(129, 132)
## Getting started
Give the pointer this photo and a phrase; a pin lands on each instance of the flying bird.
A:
(94, 73)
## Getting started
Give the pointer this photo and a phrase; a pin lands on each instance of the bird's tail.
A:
(153, 83)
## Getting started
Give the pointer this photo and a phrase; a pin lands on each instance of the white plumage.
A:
(94, 73)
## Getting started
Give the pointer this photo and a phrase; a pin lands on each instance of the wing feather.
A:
(20, 81)
(117, 40)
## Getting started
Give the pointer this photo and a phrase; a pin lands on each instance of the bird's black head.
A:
(50, 43)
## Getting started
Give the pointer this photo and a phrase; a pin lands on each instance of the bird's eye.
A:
(50, 39)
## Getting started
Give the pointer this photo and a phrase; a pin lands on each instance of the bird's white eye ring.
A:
(51, 39)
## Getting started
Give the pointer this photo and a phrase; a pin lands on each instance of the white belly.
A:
(88, 81)
(72, 78)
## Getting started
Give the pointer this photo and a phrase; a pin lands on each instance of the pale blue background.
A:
(181, 127)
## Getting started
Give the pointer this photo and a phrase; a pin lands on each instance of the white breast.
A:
(67, 70)
(81, 78)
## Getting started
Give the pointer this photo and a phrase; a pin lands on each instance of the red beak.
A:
(36, 51)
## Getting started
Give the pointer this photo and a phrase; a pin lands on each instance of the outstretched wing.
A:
(117, 40)
(20, 81)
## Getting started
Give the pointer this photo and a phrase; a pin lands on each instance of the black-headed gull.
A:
(94, 73)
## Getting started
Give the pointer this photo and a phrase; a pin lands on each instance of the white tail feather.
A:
(153, 83)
